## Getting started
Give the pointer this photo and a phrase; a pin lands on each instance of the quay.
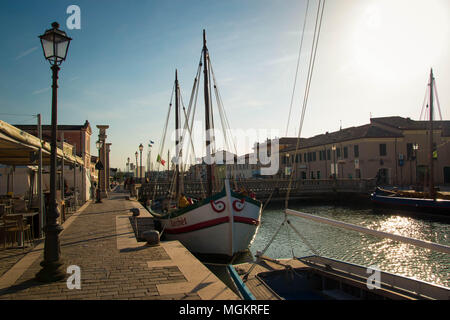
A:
(100, 239)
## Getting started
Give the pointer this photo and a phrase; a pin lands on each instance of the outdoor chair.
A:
(6, 206)
(14, 224)
(2, 231)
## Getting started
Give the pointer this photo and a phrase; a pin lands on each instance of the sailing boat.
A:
(418, 200)
(223, 223)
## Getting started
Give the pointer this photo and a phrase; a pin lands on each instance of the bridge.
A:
(276, 189)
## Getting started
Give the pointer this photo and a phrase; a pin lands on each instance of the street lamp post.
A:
(55, 44)
(334, 161)
(136, 154)
(99, 145)
(415, 148)
(128, 164)
(287, 165)
(141, 147)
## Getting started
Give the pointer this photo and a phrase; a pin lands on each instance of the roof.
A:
(371, 130)
(409, 124)
(63, 127)
(18, 147)
(352, 133)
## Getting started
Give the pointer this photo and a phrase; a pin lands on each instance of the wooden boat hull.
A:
(207, 228)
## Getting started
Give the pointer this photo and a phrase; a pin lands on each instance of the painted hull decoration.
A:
(207, 227)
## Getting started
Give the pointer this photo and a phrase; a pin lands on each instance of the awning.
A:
(18, 147)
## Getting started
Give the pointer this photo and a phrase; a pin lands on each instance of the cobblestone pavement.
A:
(10, 256)
(107, 272)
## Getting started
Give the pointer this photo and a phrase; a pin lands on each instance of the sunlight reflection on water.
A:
(362, 249)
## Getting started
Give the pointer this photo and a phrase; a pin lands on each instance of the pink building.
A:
(393, 150)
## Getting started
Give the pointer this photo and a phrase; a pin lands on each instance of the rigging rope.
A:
(296, 70)
(260, 254)
(317, 28)
(424, 101)
(312, 60)
(163, 139)
(437, 100)
(225, 124)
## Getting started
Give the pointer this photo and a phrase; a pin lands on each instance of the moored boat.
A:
(389, 198)
(321, 278)
(412, 199)
(222, 223)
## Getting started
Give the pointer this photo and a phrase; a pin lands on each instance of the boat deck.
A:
(343, 281)
(257, 287)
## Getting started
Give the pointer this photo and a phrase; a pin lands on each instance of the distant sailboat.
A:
(418, 200)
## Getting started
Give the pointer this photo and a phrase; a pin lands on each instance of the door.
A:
(383, 176)
(447, 175)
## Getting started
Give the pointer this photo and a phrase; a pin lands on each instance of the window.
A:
(318, 174)
(328, 154)
(304, 157)
(356, 150)
(312, 174)
(345, 152)
(383, 149)
(338, 152)
(314, 156)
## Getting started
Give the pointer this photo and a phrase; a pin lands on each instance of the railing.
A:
(265, 187)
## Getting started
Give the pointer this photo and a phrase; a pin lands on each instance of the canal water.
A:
(354, 247)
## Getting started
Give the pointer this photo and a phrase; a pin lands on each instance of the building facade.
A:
(393, 150)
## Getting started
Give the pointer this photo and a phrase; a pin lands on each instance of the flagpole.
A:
(149, 158)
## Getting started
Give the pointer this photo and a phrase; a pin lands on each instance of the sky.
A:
(373, 59)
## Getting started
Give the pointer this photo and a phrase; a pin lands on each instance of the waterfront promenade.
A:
(99, 238)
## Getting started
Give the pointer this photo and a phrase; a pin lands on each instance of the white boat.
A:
(222, 223)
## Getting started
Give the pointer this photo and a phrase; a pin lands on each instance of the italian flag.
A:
(158, 159)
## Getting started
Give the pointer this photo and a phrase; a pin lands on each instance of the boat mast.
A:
(430, 156)
(207, 117)
(177, 137)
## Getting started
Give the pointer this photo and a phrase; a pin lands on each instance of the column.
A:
(102, 175)
(108, 149)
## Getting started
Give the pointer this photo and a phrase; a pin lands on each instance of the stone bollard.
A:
(135, 212)
(151, 236)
